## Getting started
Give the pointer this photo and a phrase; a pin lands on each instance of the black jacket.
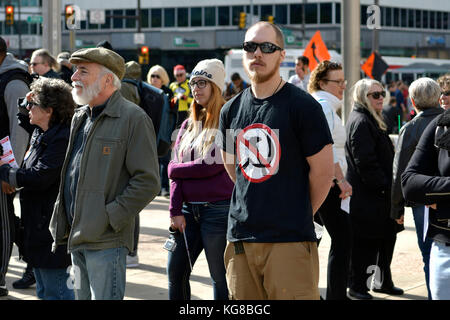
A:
(407, 141)
(390, 117)
(369, 153)
(426, 178)
(39, 177)
(65, 74)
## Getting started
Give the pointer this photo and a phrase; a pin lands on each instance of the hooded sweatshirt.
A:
(14, 90)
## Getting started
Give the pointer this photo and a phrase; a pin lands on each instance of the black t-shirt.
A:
(271, 139)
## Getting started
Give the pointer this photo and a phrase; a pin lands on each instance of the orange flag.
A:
(316, 51)
(375, 66)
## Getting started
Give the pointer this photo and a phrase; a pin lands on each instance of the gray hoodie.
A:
(15, 89)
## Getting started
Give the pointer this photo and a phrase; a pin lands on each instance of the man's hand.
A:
(8, 189)
(433, 206)
(400, 220)
(346, 189)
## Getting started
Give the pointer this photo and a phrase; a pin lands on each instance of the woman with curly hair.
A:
(46, 114)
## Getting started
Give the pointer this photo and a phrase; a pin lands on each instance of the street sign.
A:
(97, 16)
(35, 19)
(139, 38)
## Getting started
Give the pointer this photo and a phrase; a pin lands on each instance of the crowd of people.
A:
(254, 167)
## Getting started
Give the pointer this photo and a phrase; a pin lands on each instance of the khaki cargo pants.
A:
(274, 271)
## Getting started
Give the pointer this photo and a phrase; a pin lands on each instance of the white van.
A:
(233, 63)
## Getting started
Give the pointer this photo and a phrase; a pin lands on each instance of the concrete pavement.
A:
(149, 280)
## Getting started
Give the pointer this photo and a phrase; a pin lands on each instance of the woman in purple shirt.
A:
(200, 187)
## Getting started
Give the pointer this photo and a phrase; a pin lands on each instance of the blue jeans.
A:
(53, 284)
(100, 274)
(206, 228)
(424, 246)
(440, 271)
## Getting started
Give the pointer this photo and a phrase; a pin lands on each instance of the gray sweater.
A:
(15, 89)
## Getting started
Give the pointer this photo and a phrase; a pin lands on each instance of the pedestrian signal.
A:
(270, 19)
(9, 15)
(144, 56)
(242, 20)
(70, 16)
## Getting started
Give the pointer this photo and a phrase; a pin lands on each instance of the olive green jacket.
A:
(118, 177)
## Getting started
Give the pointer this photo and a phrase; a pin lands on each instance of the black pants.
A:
(7, 222)
(337, 223)
(368, 256)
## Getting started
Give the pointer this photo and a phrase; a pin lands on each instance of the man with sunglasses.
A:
(181, 93)
(277, 150)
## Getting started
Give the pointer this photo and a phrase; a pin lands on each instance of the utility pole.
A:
(350, 49)
(303, 24)
(51, 33)
(375, 34)
(19, 29)
(139, 18)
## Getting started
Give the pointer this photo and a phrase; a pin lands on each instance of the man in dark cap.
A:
(109, 175)
(66, 71)
(105, 44)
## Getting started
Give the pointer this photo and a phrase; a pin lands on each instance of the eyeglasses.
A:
(179, 75)
(155, 76)
(35, 63)
(31, 104)
(445, 93)
(266, 47)
(377, 94)
(339, 82)
(200, 84)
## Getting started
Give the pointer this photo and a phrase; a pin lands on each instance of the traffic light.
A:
(242, 20)
(143, 57)
(270, 19)
(9, 10)
(70, 16)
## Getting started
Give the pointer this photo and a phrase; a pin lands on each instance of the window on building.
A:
(432, 19)
(439, 20)
(33, 28)
(403, 18)
(326, 13)
(210, 16)
(418, 18)
(196, 17)
(311, 13)
(144, 18)
(156, 18)
(445, 17)
(224, 16)
(363, 15)
(338, 13)
(425, 19)
(281, 13)
(182, 17)
(83, 25)
(169, 17)
(8, 29)
(296, 13)
(107, 24)
(118, 22)
(92, 26)
(388, 17)
(396, 19)
(130, 21)
(411, 18)
(266, 11)
(235, 14)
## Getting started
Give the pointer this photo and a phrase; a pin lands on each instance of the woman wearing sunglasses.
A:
(157, 76)
(47, 117)
(327, 86)
(200, 187)
(369, 154)
(444, 83)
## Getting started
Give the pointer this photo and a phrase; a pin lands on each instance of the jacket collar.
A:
(444, 120)
(430, 112)
(442, 135)
(46, 137)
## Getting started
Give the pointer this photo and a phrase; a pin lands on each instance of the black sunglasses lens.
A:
(267, 47)
(446, 93)
(250, 46)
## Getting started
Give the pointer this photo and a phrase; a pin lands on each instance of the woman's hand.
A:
(400, 220)
(178, 223)
(346, 189)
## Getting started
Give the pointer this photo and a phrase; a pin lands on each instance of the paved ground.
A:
(149, 280)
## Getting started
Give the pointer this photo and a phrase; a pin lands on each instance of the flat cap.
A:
(105, 57)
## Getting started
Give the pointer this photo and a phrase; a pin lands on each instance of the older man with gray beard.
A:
(109, 175)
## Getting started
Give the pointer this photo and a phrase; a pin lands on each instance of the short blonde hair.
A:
(161, 72)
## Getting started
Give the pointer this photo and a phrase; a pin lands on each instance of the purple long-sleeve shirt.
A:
(200, 180)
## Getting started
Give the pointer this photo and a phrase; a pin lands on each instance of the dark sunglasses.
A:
(445, 93)
(35, 63)
(31, 104)
(266, 47)
(377, 94)
(155, 76)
